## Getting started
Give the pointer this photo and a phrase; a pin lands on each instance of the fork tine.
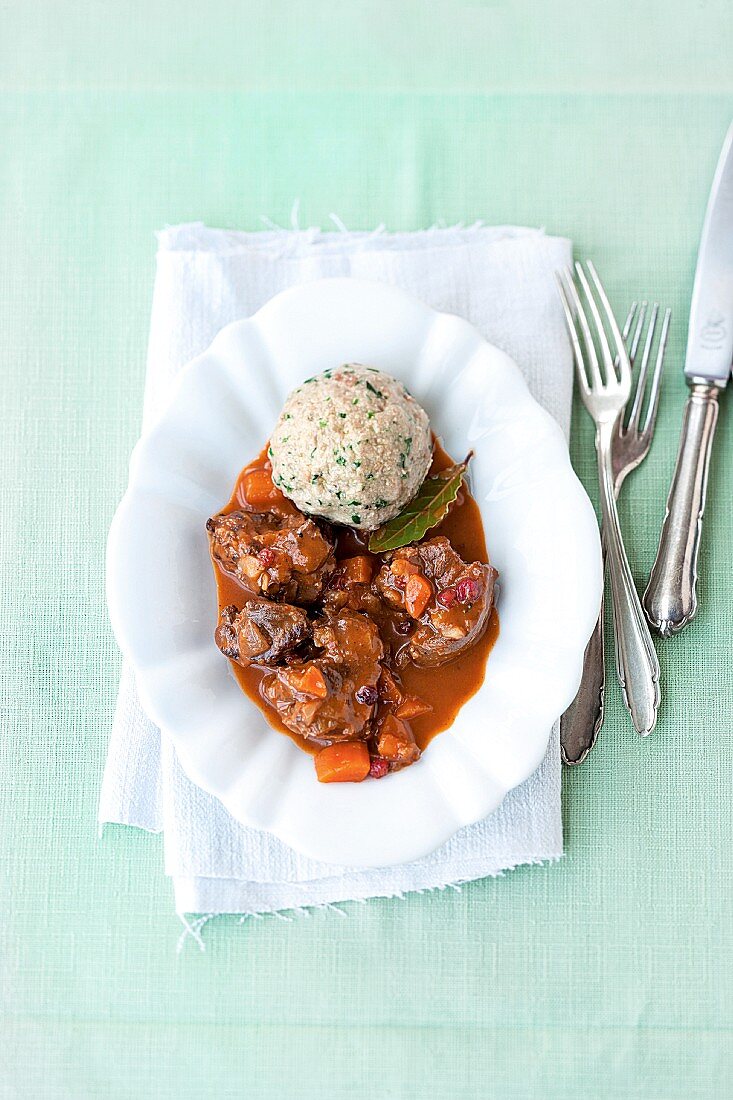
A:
(629, 321)
(605, 347)
(651, 413)
(577, 352)
(613, 325)
(627, 329)
(637, 334)
(595, 370)
(635, 415)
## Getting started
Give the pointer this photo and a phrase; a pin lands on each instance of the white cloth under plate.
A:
(501, 280)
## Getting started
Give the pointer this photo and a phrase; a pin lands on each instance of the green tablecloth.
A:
(606, 976)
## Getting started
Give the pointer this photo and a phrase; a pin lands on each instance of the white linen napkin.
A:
(501, 280)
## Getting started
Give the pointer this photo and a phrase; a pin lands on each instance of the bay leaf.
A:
(425, 510)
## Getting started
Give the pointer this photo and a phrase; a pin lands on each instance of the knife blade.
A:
(670, 600)
(710, 335)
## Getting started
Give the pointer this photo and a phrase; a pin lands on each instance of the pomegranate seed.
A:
(467, 590)
(367, 695)
(378, 768)
(266, 556)
(447, 597)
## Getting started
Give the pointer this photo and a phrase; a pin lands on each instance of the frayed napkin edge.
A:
(194, 923)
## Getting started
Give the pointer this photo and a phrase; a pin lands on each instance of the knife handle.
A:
(670, 600)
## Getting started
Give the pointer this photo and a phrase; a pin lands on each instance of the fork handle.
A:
(670, 600)
(636, 659)
(582, 721)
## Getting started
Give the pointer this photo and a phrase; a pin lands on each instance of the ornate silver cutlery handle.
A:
(582, 721)
(670, 600)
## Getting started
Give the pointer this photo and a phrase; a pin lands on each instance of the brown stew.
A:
(411, 686)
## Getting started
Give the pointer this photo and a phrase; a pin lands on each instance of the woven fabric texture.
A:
(606, 976)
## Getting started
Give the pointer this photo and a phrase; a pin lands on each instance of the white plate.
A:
(540, 529)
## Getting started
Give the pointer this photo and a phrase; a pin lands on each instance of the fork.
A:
(582, 721)
(605, 397)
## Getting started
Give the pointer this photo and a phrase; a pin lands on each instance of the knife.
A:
(670, 600)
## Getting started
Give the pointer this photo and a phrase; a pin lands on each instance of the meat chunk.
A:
(344, 591)
(351, 585)
(396, 743)
(262, 632)
(449, 599)
(332, 697)
(280, 556)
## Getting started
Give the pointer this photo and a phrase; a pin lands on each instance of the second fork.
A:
(582, 721)
(605, 396)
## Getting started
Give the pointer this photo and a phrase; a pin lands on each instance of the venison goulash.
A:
(361, 656)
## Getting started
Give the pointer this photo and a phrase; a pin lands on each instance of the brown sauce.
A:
(446, 688)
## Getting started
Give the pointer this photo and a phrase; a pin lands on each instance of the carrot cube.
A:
(259, 489)
(357, 569)
(396, 743)
(401, 567)
(310, 681)
(411, 707)
(347, 762)
(417, 595)
(389, 746)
